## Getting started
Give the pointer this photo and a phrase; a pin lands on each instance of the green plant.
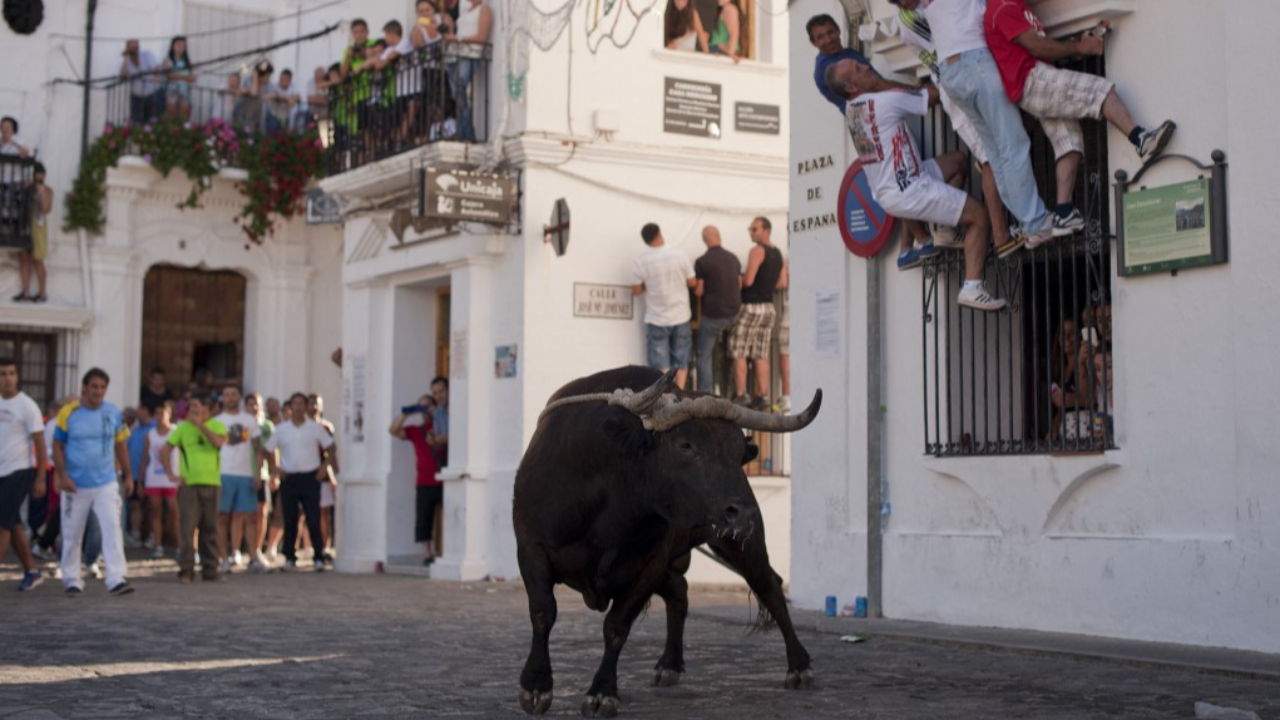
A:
(279, 168)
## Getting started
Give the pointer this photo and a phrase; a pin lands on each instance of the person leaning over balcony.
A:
(877, 117)
(717, 271)
(224, 104)
(404, 81)
(475, 21)
(971, 79)
(726, 37)
(914, 30)
(146, 93)
(33, 259)
(429, 28)
(1059, 97)
(665, 275)
(249, 112)
(824, 35)
(179, 78)
(10, 142)
(752, 334)
(682, 28)
(353, 92)
(282, 102)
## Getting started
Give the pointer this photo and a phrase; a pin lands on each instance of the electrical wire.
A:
(206, 33)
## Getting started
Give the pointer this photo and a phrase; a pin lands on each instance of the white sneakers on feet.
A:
(979, 299)
(945, 236)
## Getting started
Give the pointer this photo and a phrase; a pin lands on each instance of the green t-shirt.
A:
(200, 459)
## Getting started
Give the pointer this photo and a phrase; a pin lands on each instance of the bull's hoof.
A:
(599, 706)
(665, 677)
(534, 702)
(799, 680)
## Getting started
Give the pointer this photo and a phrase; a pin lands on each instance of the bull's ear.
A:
(628, 436)
(750, 452)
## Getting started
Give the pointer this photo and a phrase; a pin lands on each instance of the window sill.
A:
(720, 62)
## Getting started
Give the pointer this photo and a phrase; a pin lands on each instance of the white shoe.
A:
(237, 559)
(980, 299)
(95, 570)
(225, 566)
(945, 236)
(157, 553)
(784, 405)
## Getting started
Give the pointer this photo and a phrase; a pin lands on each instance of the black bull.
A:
(613, 509)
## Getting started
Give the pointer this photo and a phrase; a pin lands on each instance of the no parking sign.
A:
(864, 225)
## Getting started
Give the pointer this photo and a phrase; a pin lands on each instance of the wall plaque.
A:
(603, 301)
(757, 118)
(691, 107)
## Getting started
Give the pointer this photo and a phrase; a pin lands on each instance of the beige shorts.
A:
(39, 240)
(1061, 97)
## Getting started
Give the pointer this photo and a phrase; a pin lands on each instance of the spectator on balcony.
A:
(751, 335)
(441, 124)
(726, 38)
(1060, 97)
(1064, 364)
(282, 102)
(10, 143)
(971, 79)
(430, 24)
(317, 100)
(824, 35)
(403, 81)
(224, 105)
(430, 27)
(1104, 384)
(682, 28)
(249, 112)
(41, 206)
(468, 41)
(665, 275)
(927, 191)
(146, 92)
(178, 78)
(717, 271)
(371, 113)
(354, 55)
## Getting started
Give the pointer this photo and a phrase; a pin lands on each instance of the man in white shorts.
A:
(902, 183)
(914, 30)
(240, 459)
(1058, 98)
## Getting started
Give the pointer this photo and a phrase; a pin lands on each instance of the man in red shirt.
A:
(1060, 97)
(429, 492)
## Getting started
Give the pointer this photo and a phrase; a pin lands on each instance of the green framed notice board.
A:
(1175, 226)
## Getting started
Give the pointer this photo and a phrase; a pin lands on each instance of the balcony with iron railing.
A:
(439, 93)
(17, 176)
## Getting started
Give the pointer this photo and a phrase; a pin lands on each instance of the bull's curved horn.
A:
(642, 402)
(672, 414)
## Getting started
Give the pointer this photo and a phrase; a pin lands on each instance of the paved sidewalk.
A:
(327, 646)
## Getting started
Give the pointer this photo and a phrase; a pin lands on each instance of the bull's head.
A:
(694, 448)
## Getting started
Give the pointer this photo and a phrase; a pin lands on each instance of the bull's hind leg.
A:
(674, 591)
(751, 559)
(535, 679)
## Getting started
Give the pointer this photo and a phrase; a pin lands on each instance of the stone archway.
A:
(193, 320)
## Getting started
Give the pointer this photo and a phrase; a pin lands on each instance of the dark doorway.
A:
(193, 323)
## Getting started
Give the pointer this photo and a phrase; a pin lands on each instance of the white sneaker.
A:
(237, 559)
(945, 236)
(157, 552)
(784, 405)
(224, 567)
(1153, 142)
(1035, 240)
(980, 299)
(95, 570)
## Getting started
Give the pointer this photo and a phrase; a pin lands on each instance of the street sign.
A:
(864, 226)
(615, 302)
(467, 196)
(322, 209)
(756, 118)
(691, 107)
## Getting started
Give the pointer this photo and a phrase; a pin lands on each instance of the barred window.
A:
(1034, 377)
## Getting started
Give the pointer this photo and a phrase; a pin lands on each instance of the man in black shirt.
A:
(751, 335)
(156, 393)
(717, 272)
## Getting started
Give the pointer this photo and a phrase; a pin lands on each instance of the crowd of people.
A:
(218, 478)
(987, 60)
(738, 311)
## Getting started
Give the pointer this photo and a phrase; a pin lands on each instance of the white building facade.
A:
(576, 112)
(1163, 536)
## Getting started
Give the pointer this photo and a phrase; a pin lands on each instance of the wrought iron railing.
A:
(129, 104)
(1035, 376)
(17, 201)
(438, 93)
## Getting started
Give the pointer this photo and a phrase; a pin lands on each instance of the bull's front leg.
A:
(535, 679)
(751, 559)
(674, 591)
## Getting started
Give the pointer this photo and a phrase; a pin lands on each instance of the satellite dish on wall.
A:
(557, 232)
(24, 16)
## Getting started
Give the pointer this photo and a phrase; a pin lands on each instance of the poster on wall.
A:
(504, 361)
(826, 338)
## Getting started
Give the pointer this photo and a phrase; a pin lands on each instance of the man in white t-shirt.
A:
(665, 275)
(240, 458)
(902, 182)
(972, 81)
(306, 456)
(282, 102)
(21, 432)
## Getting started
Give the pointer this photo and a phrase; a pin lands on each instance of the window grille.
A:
(1026, 379)
(46, 361)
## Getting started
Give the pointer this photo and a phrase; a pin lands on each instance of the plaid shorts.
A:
(750, 336)
(1059, 98)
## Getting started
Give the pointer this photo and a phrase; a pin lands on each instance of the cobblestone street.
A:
(348, 646)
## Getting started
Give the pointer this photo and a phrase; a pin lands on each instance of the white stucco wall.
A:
(1163, 539)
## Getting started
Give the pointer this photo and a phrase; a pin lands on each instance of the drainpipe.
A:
(88, 73)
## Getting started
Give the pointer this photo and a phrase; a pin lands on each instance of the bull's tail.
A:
(764, 621)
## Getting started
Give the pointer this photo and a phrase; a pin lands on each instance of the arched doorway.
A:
(193, 323)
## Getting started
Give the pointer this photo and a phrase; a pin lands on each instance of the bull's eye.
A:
(686, 445)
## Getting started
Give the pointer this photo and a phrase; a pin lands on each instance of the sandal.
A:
(40, 298)
(23, 297)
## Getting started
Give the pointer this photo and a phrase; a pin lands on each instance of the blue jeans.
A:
(668, 346)
(708, 334)
(460, 75)
(974, 84)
